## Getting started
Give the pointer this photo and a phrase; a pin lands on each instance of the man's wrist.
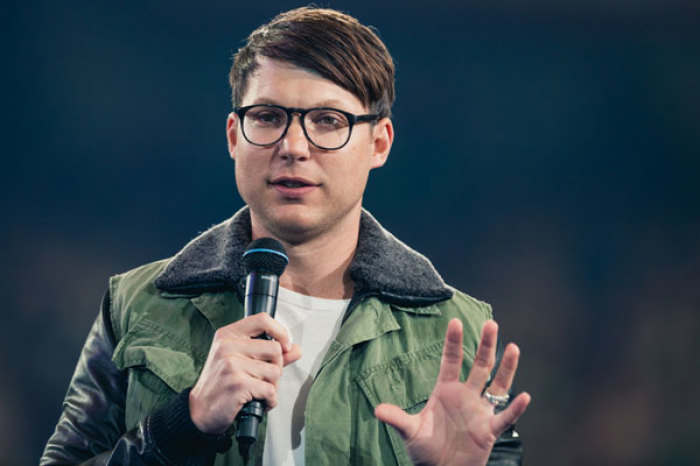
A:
(177, 437)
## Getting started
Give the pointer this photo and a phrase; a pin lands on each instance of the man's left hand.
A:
(458, 425)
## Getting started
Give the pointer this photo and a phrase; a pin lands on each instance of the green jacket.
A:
(160, 320)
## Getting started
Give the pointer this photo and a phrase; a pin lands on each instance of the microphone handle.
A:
(261, 296)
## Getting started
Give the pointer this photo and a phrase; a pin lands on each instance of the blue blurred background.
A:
(546, 159)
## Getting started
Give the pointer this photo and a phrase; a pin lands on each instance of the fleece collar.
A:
(383, 266)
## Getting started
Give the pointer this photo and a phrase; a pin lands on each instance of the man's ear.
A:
(382, 138)
(231, 134)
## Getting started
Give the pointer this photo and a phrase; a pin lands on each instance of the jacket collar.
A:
(383, 266)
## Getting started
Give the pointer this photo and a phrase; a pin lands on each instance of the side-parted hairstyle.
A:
(333, 44)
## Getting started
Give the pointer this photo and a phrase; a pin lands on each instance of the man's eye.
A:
(267, 117)
(329, 120)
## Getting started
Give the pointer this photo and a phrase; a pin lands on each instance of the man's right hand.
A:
(240, 368)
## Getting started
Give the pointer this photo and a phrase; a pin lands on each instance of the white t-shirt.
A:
(312, 324)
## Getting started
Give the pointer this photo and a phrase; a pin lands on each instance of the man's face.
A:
(295, 190)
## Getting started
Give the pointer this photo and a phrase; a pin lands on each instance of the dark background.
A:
(546, 160)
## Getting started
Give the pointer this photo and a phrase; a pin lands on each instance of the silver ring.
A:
(497, 400)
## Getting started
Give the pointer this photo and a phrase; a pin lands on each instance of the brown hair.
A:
(333, 44)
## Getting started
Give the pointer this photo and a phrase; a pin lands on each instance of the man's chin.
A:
(297, 224)
(291, 226)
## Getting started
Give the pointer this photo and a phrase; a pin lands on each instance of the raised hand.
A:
(240, 368)
(458, 426)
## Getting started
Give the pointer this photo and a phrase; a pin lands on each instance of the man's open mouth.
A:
(292, 182)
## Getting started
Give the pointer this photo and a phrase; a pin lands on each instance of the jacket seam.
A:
(401, 361)
(171, 337)
(116, 327)
(107, 317)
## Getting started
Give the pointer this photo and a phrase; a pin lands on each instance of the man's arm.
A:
(91, 429)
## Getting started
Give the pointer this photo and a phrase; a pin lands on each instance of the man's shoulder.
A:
(138, 277)
(471, 311)
(467, 303)
(131, 293)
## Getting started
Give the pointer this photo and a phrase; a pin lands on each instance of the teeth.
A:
(292, 184)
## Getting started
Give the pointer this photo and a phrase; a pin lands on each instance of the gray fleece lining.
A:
(382, 266)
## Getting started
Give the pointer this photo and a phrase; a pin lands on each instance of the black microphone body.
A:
(261, 293)
(265, 259)
(260, 296)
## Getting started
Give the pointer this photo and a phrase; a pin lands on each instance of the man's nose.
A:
(294, 144)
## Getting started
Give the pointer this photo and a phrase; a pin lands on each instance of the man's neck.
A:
(319, 266)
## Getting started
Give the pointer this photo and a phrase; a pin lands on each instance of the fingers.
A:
(225, 385)
(245, 347)
(263, 350)
(261, 370)
(294, 354)
(249, 382)
(259, 358)
(405, 424)
(506, 371)
(451, 363)
(240, 368)
(259, 324)
(510, 415)
(485, 357)
(500, 385)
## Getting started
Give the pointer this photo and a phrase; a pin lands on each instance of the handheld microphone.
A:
(264, 261)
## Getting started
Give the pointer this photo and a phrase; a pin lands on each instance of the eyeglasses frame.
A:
(291, 111)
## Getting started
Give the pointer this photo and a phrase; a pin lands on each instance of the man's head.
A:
(312, 92)
(327, 42)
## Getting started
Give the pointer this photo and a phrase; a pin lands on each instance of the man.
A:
(356, 370)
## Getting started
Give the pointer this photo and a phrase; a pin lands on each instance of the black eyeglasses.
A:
(325, 127)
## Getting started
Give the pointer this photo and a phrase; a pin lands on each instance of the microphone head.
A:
(265, 255)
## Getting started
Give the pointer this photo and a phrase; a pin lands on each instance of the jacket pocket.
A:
(405, 381)
(159, 366)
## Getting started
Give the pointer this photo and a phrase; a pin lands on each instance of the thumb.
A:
(292, 355)
(397, 418)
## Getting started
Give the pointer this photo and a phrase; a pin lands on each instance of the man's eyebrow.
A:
(263, 102)
(331, 103)
(334, 103)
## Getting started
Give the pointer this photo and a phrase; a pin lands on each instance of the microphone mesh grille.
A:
(265, 255)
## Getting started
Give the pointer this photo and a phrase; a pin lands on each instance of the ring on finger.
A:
(497, 400)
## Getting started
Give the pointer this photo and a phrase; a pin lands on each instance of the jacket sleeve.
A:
(508, 449)
(91, 429)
